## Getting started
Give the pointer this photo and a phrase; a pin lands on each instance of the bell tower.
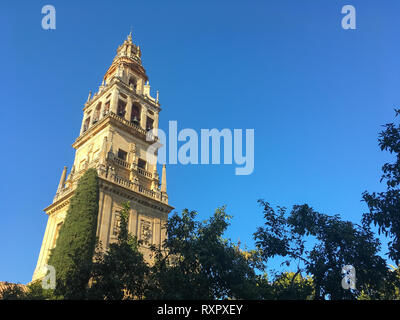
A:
(112, 139)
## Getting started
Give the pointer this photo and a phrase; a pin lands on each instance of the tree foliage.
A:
(292, 286)
(72, 257)
(321, 245)
(12, 291)
(32, 291)
(195, 262)
(285, 286)
(390, 289)
(384, 207)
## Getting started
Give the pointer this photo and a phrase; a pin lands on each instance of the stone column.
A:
(143, 116)
(102, 110)
(103, 154)
(164, 179)
(155, 124)
(114, 101)
(83, 122)
(128, 109)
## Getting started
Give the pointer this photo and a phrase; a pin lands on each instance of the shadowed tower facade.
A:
(119, 123)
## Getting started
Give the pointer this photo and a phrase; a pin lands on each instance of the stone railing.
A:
(127, 123)
(71, 185)
(145, 173)
(126, 183)
(126, 165)
(123, 182)
(121, 162)
(139, 188)
(132, 125)
(62, 193)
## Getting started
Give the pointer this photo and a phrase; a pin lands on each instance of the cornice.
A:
(132, 195)
(59, 204)
(116, 189)
(113, 119)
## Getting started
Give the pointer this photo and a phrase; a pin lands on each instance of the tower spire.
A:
(164, 179)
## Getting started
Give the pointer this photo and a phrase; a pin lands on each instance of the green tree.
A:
(120, 272)
(321, 245)
(32, 291)
(384, 207)
(285, 286)
(12, 291)
(72, 257)
(292, 286)
(390, 289)
(195, 262)
(36, 292)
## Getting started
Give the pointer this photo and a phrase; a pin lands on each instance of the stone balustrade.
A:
(126, 165)
(126, 183)
(145, 173)
(112, 115)
(150, 137)
(138, 188)
(121, 162)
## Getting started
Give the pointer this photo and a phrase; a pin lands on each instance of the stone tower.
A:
(112, 139)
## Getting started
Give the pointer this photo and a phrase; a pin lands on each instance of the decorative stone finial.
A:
(62, 180)
(164, 179)
(89, 96)
(130, 36)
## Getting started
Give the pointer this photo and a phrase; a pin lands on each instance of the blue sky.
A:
(315, 94)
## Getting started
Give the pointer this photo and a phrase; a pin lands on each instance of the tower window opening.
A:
(132, 83)
(122, 154)
(96, 114)
(135, 115)
(106, 108)
(142, 164)
(121, 108)
(149, 123)
(86, 124)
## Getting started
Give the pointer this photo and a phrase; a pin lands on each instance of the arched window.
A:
(135, 115)
(121, 110)
(96, 114)
(142, 164)
(106, 108)
(132, 82)
(149, 123)
(86, 124)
